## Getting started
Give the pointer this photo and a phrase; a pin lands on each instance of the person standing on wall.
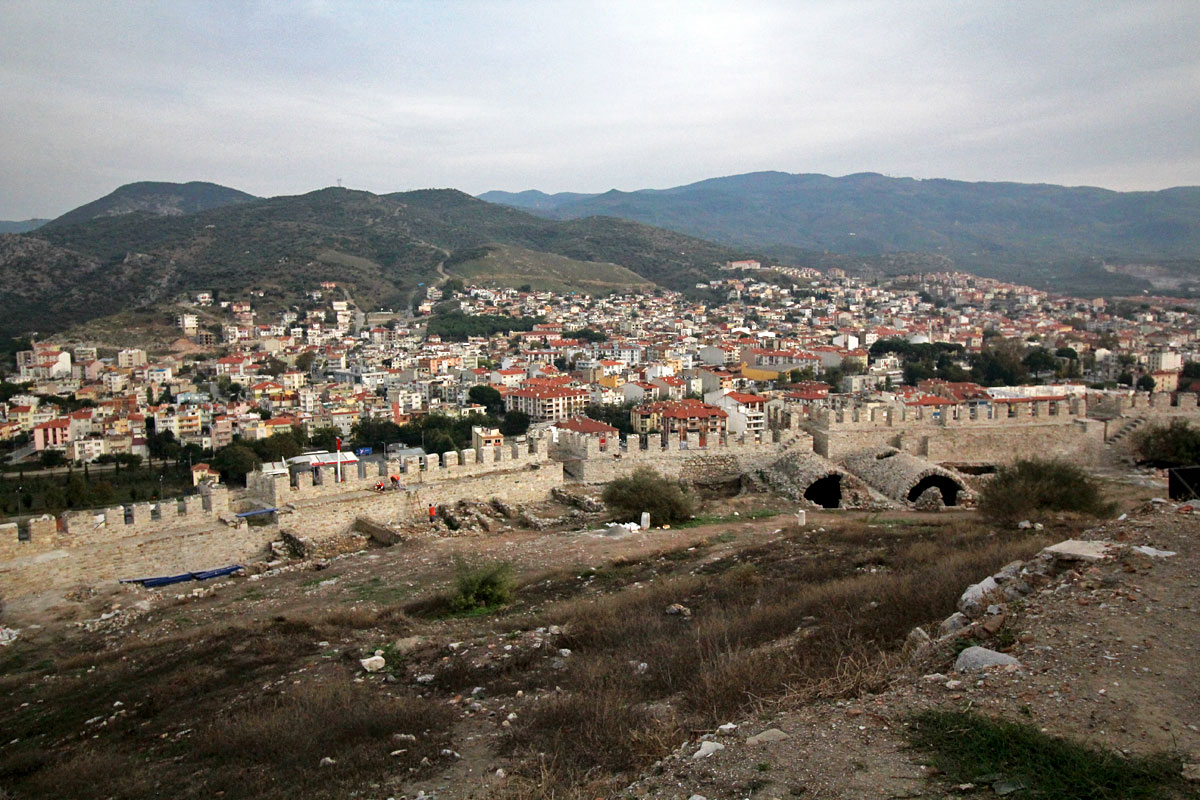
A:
(432, 513)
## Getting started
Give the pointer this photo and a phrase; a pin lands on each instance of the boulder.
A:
(974, 600)
(768, 736)
(373, 663)
(707, 749)
(953, 624)
(1079, 550)
(917, 643)
(678, 609)
(976, 658)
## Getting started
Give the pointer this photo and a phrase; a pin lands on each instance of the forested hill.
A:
(1041, 232)
(157, 198)
(379, 246)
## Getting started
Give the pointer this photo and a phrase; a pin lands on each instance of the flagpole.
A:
(338, 460)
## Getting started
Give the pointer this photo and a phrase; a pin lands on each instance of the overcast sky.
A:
(286, 97)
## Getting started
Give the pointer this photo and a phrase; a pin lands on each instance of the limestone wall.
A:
(1144, 404)
(725, 458)
(995, 434)
(104, 561)
(279, 490)
(330, 515)
(127, 542)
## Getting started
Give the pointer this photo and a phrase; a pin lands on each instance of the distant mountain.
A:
(21, 226)
(533, 200)
(1038, 233)
(158, 199)
(380, 247)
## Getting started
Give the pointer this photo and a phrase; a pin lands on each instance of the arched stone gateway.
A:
(908, 479)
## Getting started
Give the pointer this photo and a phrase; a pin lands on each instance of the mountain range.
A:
(1036, 233)
(148, 243)
(140, 247)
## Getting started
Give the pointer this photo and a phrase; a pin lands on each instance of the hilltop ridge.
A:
(1042, 234)
(380, 246)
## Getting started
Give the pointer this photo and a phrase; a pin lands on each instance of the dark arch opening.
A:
(825, 492)
(947, 486)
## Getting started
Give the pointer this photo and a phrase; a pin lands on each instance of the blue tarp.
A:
(167, 580)
(257, 511)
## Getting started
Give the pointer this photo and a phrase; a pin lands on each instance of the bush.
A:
(646, 490)
(479, 588)
(1174, 445)
(1028, 486)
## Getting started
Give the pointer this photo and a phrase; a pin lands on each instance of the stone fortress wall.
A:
(203, 531)
(586, 460)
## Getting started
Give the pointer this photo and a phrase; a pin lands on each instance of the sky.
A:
(287, 97)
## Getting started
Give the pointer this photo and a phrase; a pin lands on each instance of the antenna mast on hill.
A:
(339, 183)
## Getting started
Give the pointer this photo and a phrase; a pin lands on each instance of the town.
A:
(638, 363)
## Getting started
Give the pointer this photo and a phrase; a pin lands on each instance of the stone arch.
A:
(948, 487)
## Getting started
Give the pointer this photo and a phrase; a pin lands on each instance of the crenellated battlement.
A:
(585, 458)
(320, 482)
(1140, 404)
(998, 413)
(75, 529)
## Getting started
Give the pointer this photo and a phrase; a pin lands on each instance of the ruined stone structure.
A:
(827, 454)
(906, 478)
(202, 532)
(140, 540)
(586, 460)
(988, 435)
(815, 479)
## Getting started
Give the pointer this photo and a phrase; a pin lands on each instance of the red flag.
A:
(339, 444)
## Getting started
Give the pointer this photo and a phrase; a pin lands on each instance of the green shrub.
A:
(1174, 445)
(1025, 487)
(485, 587)
(646, 490)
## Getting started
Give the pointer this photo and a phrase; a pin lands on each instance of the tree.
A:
(305, 360)
(587, 335)
(53, 458)
(234, 461)
(1000, 364)
(324, 438)
(488, 397)
(797, 375)
(515, 423)
(1191, 369)
(370, 432)
(274, 367)
(1039, 360)
(1146, 383)
(277, 447)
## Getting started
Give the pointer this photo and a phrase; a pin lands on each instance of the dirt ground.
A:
(1108, 653)
(1110, 656)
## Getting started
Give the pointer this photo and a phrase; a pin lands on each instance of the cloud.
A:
(276, 97)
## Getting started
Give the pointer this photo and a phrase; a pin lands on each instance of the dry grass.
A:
(772, 624)
(274, 744)
(194, 716)
(805, 615)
